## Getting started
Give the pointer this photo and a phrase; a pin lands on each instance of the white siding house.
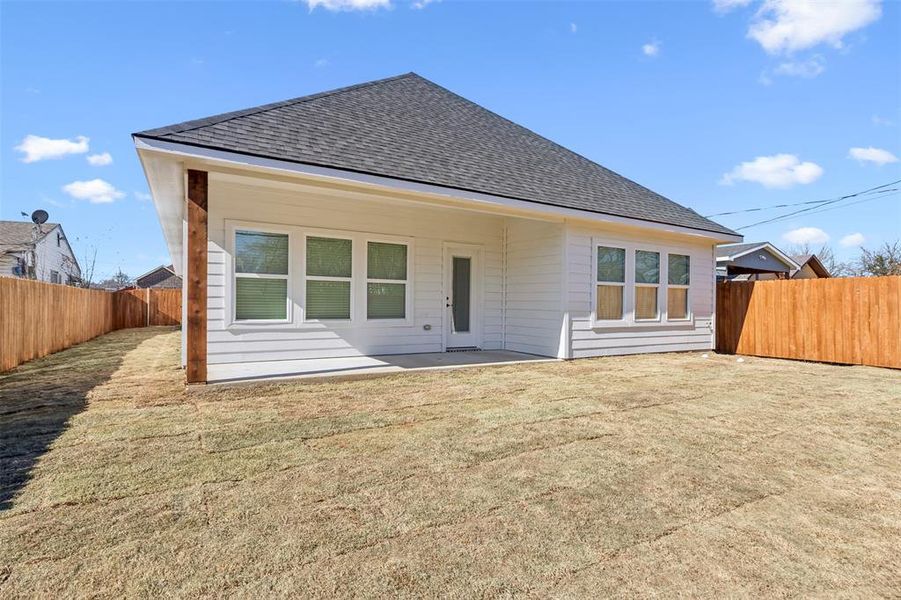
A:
(407, 220)
(38, 252)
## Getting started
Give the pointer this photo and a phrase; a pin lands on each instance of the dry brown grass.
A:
(645, 475)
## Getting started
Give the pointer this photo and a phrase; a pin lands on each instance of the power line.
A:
(822, 204)
(772, 206)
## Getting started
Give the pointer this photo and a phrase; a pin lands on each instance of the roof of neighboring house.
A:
(161, 276)
(154, 270)
(411, 129)
(729, 252)
(815, 263)
(15, 236)
(173, 281)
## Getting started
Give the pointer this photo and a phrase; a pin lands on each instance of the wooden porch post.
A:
(196, 276)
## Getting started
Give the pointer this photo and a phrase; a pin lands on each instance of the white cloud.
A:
(420, 4)
(808, 69)
(95, 191)
(36, 148)
(790, 25)
(881, 121)
(853, 240)
(724, 6)
(348, 5)
(876, 156)
(651, 49)
(573, 28)
(100, 160)
(143, 196)
(322, 62)
(806, 235)
(777, 171)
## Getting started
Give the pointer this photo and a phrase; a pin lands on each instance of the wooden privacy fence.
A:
(39, 318)
(855, 320)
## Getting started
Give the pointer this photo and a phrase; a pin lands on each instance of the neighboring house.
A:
(39, 252)
(396, 217)
(161, 277)
(810, 267)
(753, 261)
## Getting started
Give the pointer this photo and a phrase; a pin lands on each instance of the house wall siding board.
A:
(428, 228)
(588, 340)
(533, 282)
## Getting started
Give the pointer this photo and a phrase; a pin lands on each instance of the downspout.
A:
(504, 289)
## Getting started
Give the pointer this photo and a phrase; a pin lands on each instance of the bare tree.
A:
(118, 281)
(90, 264)
(885, 260)
(826, 255)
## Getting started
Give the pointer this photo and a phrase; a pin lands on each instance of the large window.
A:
(678, 280)
(611, 283)
(386, 280)
(261, 276)
(328, 278)
(647, 283)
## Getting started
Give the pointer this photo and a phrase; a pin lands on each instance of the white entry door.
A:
(462, 289)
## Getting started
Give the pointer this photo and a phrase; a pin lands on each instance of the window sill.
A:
(632, 325)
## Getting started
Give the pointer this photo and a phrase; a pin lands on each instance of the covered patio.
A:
(363, 366)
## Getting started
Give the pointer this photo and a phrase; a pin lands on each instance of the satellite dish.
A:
(39, 217)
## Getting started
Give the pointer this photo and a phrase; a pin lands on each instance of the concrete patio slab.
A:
(363, 366)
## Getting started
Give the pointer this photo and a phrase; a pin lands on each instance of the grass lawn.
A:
(644, 475)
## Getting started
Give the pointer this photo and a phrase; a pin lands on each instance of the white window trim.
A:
(689, 317)
(628, 321)
(594, 288)
(233, 275)
(334, 235)
(297, 279)
(661, 302)
(408, 282)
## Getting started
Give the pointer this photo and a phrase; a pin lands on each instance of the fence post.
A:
(148, 307)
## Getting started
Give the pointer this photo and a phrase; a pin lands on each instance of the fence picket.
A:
(848, 320)
(38, 318)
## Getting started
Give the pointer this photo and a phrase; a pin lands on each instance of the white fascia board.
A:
(166, 178)
(234, 159)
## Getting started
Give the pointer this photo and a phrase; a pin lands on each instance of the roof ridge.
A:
(236, 114)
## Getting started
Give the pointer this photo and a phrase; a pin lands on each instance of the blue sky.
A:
(720, 106)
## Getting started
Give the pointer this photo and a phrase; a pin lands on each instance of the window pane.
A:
(677, 303)
(386, 300)
(647, 267)
(327, 257)
(328, 299)
(611, 264)
(645, 303)
(678, 269)
(460, 293)
(257, 252)
(261, 298)
(387, 261)
(610, 302)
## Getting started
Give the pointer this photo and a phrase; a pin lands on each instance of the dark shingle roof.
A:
(733, 249)
(16, 235)
(409, 128)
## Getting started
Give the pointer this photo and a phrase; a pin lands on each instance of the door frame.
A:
(477, 287)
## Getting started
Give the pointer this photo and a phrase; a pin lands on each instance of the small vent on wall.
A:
(464, 349)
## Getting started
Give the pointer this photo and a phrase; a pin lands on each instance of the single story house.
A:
(396, 217)
(809, 267)
(161, 277)
(40, 252)
(753, 261)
